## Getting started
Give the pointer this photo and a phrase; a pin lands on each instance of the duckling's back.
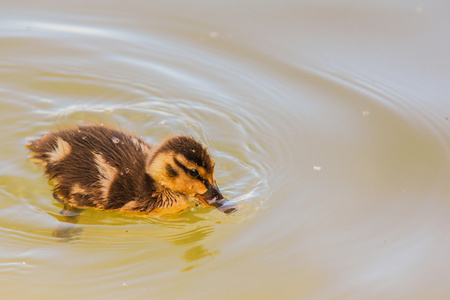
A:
(96, 166)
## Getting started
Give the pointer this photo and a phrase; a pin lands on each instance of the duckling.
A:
(98, 166)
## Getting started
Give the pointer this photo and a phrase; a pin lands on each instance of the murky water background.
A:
(328, 122)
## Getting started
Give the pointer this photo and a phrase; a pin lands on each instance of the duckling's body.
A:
(97, 166)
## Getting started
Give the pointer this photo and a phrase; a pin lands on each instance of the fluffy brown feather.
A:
(98, 166)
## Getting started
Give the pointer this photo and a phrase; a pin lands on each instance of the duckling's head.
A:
(183, 165)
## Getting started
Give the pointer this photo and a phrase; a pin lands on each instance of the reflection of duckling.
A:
(101, 167)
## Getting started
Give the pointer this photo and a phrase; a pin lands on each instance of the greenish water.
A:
(328, 123)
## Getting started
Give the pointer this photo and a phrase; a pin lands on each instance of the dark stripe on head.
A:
(190, 149)
(186, 170)
(170, 171)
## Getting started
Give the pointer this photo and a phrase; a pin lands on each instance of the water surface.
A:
(328, 123)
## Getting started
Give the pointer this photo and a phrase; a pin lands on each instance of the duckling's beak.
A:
(213, 197)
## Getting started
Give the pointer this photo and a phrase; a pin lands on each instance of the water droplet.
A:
(193, 150)
(83, 137)
(115, 140)
(127, 170)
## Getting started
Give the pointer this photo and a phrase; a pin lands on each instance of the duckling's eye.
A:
(193, 173)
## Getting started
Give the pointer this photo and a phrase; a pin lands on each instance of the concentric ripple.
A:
(152, 87)
(337, 177)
